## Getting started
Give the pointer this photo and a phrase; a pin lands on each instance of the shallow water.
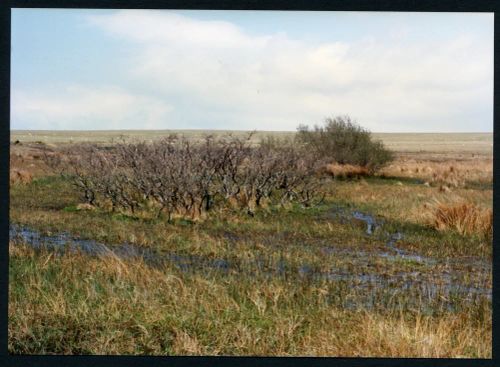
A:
(429, 286)
(371, 224)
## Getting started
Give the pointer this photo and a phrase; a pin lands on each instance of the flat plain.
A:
(479, 143)
(379, 269)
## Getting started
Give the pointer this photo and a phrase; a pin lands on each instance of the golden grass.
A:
(346, 170)
(17, 176)
(447, 173)
(422, 337)
(75, 304)
(465, 218)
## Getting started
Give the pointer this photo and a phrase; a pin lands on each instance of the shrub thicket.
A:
(343, 141)
(176, 176)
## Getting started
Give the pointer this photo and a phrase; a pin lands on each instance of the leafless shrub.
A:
(175, 176)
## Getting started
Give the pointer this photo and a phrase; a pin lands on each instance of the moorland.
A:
(391, 263)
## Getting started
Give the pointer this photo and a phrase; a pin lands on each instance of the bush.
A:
(175, 176)
(343, 141)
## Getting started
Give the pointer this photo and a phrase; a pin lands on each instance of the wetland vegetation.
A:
(376, 262)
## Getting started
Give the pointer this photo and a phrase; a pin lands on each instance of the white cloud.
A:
(88, 108)
(160, 27)
(218, 76)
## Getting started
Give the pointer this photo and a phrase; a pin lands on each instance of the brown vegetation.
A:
(75, 304)
(109, 306)
(176, 177)
(17, 176)
(466, 218)
(26, 161)
(447, 173)
(346, 170)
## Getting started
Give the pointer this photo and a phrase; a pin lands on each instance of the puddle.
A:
(409, 282)
(370, 221)
(391, 239)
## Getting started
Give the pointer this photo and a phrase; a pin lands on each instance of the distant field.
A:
(105, 136)
(479, 143)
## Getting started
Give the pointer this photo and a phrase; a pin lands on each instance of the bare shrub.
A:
(175, 176)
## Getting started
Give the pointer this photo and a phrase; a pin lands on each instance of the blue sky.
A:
(244, 70)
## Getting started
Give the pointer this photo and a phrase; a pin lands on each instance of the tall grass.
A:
(17, 176)
(346, 170)
(73, 304)
(475, 172)
(465, 218)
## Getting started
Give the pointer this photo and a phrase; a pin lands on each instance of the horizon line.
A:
(239, 130)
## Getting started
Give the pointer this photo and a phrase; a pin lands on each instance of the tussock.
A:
(466, 218)
(346, 170)
(17, 176)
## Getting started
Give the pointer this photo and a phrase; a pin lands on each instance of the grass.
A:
(74, 304)
(437, 143)
(465, 218)
(112, 307)
(464, 173)
(346, 170)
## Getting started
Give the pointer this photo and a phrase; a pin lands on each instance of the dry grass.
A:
(465, 218)
(28, 159)
(422, 337)
(463, 143)
(439, 143)
(79, 305)
(18, 176)
(448, 173)
(346, 170)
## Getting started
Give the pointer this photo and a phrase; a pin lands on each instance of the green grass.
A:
(75, 304)
(50, 204)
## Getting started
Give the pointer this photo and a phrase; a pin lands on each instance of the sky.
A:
(79, 69)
